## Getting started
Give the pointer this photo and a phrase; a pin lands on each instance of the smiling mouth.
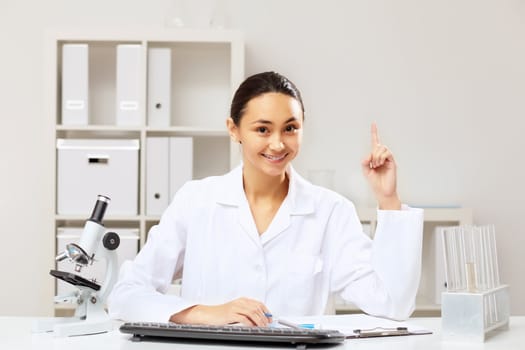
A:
(275, 158)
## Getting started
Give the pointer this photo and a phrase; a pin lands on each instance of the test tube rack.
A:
(468, 316)
(475, 302)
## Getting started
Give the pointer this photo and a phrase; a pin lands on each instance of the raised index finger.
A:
(375, 137)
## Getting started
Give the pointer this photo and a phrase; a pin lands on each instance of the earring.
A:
(234, 139)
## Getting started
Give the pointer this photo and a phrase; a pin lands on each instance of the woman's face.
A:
(270, 131)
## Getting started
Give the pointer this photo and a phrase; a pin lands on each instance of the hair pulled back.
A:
(257, 85)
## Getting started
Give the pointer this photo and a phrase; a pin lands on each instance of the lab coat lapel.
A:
(279, 224)
(232, 194)
(247, 223)
(297, 202)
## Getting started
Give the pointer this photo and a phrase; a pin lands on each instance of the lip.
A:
(275, 158)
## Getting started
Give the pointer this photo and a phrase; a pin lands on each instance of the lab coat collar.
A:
(300, 200)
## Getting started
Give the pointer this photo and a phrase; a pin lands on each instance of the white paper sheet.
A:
(348, 323)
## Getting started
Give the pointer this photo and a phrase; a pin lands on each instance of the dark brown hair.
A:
(257, 85)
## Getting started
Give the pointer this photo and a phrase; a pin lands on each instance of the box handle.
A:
(98, 158)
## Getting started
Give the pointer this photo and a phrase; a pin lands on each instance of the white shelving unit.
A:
(426, 299)
(206, 68)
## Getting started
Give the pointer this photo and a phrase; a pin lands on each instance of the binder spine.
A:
(75, 73)
(128, 84)
(157, 175)
(159, 87)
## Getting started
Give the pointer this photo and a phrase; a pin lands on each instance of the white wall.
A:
(445, 81)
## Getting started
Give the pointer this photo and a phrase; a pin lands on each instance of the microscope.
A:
(90, 297)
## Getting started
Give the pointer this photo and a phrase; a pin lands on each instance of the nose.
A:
(276, 144)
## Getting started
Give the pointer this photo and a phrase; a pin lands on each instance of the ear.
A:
(232, 130)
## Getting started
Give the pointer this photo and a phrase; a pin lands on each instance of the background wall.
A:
(445, 81)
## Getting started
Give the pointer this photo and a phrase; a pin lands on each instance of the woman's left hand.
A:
(379, 169)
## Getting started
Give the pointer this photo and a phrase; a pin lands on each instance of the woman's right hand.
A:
(249, 312)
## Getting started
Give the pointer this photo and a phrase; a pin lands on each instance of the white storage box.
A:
(129, 244)
(87, 168)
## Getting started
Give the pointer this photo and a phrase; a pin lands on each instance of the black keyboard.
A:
(141, 330)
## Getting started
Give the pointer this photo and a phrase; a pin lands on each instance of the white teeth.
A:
(274, 157)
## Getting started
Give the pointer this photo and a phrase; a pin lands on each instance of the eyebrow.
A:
(264, 121)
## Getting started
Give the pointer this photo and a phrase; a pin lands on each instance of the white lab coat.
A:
(314, 246)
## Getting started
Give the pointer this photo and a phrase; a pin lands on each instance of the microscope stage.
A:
(74, 279)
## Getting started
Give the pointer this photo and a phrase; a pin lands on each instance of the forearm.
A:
(130, 302)
(396, 255)
(189, 315)
(139, 296)
(389, 203)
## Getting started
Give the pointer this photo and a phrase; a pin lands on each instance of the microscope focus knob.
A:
(111, 241)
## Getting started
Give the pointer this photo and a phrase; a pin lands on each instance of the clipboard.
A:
(362, 326)
(384, 332)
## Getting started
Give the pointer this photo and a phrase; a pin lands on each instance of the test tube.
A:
(449, 274)
(463, 248)
(494, 255)
(470, 259)
(446, 258)
(450, 250)
(480, 260)
(488, 254)
(452, 255)
(459, 258)
(489, 313)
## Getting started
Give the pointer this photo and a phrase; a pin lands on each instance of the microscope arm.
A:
(111, 274)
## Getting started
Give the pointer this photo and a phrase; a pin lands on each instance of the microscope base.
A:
(96, 321)
(81, 327)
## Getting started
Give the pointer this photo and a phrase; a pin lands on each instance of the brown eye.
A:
(290, 128)
(262, 130)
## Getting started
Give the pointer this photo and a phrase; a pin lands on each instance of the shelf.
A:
(98, 131)
(185, 131)
(184, 35)
(150, 131)
(85, 217)
(460, 215)
(65, 306)
(205, 68)
(423, 303)
(61, 127)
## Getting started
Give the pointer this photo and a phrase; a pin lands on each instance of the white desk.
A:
(15, 334)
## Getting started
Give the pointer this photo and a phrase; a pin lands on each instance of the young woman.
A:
(261, 239)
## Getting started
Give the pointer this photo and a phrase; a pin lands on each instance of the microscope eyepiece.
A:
(100, 209)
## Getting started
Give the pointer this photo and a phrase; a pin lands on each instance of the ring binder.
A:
(75, 84)
(128, 84)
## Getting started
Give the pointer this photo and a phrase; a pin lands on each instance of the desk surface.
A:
(15, 334)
